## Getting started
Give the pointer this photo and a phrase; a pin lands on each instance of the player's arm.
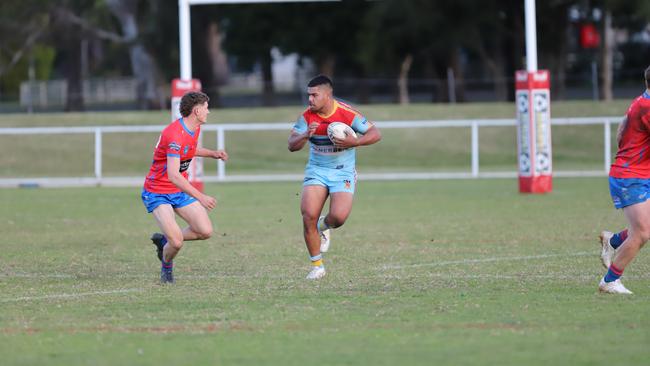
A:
(621, 128)
(297, 140)
(214, 154)
(174, 175)
(371, 136)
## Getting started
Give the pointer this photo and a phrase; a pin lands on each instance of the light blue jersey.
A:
(322, 152)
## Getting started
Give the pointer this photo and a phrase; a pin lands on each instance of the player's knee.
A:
(335, 221)
(176, 243)
(309, 219)
(644, 235)
(205, 233)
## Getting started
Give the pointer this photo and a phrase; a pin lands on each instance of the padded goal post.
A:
(534, 152)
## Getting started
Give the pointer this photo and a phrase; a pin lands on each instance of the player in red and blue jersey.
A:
(331, 169)
(629, 185)
(168, 192)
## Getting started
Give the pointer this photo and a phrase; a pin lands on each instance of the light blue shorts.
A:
(335, 180)
(628, 191)
(176, 200)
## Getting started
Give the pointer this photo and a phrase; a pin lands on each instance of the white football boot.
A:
(608, 252)
(324, 236)
(614, 287)
(316, 273)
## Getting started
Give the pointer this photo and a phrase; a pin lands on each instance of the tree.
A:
(395, 36)
(325, 32)
(552, 40)
(251, 32)
(142, 64)
(67, 36)
(622, 14)
(22, 26)
(433, 34)
(93, 22)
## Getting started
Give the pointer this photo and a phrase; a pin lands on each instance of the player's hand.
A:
(346, 143)
(208, 202)
(312, 129)
(220, 154)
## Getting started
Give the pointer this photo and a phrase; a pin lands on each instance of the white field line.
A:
(487, 260)
(67, 296)
(36, 275)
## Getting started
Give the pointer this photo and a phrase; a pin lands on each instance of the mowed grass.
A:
(424, 272)
(265, 152)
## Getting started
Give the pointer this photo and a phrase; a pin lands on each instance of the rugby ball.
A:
(339, 130)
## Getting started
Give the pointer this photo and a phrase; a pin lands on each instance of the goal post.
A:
(533, 113)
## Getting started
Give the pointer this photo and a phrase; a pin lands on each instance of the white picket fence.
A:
(473, 173)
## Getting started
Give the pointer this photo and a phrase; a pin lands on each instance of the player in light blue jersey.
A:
(330, 170)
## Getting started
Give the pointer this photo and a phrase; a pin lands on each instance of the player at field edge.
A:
(167, 191)
(330, 170)
(629, 186)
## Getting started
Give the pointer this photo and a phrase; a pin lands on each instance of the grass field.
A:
(424, 272)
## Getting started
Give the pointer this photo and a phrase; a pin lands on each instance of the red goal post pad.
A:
(534, 153)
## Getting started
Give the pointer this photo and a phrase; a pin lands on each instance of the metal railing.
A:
(221, 129)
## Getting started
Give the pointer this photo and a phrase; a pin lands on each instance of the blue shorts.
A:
(628, 191)
(152, 200)
(335, 180)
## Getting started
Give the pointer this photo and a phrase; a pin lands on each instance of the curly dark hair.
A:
(646, 75)
(191, 99)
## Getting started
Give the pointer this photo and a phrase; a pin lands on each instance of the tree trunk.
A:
(142, 65)
(459, 75)
(75, 98)
(144, 72)
(268, 91)
(218, 62)
(608, 56)
(402, 81)
(495, 62)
